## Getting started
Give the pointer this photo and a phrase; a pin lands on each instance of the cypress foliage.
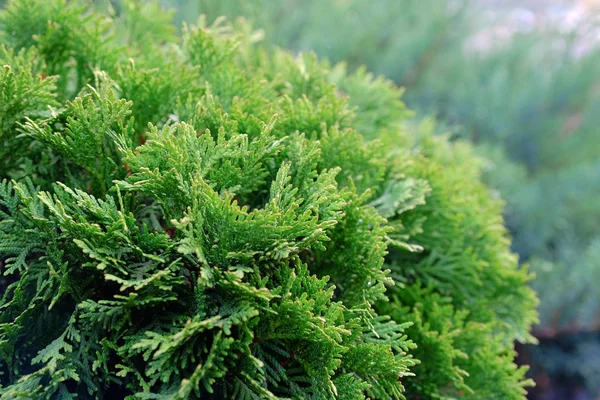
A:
(200, 218)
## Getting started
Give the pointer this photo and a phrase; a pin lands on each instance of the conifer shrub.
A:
(201, 218)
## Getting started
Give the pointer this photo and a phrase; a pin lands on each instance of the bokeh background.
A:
(521, 80)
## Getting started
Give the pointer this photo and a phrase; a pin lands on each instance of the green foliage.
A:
(446, 289)
(26, 93)
(213, 225)
(71, 41)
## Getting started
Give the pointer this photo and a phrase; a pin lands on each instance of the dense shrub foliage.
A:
(200, 218)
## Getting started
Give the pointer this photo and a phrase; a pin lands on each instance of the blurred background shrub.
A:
(523, 84)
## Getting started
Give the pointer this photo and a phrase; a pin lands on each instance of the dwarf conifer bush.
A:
(200, 218)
